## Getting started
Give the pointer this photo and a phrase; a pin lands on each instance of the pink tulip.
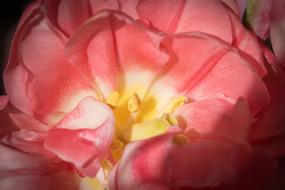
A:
(139, 94)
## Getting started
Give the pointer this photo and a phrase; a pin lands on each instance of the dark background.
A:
(10, 13)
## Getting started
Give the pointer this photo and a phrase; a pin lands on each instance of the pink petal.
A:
(99, 5)
(15, 75)
(208, 16)
(6, 124)
(236, 6)
(87, 131)
(216, 117)
(233, 78)
(248, 44)
(129, 7)
(270, 121)
(213, 69)
(231, 5)
(112, 38)
(24, 121)
(28, 141)
(39, 79)
(158, 162)
(3, 102)
(82, 117)
(71, 14)
(188, 67)
(267, 133)
(30, 172)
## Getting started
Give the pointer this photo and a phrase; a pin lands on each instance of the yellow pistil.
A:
(112, 100)
(134, 103)
(169, 119)
(117, 148)
(174, 103)
(146, 129)
(180, 139)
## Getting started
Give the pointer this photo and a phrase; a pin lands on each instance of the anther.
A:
(134, 103)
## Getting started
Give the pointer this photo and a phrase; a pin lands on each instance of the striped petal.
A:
(207, 16)
(38, 79)
(71, 14)
(87, 131)
(30, 171)
(112, 38)
(214, 69)
(216, 117)
(160, 163)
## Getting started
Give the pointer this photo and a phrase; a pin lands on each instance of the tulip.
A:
(139, 95)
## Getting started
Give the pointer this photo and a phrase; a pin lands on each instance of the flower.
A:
(139, 95)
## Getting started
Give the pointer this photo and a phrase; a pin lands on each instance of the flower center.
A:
(137, 118)
(138, 115)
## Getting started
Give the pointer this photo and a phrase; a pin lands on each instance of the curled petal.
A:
(112, 38)
(99, 5)
(71, 14)
(87, 132)
(162, 163)
(38, 79)
(214, 69)
(216, 117)
(24, 121)
(15, 75)
(30, 171)
(6, 123)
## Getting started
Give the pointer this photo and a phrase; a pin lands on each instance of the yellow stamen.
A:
(174, 103)
(169, 119)
(134, 103)
(112, 100)
(180, 139)
(117, 148)
(106, 166)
